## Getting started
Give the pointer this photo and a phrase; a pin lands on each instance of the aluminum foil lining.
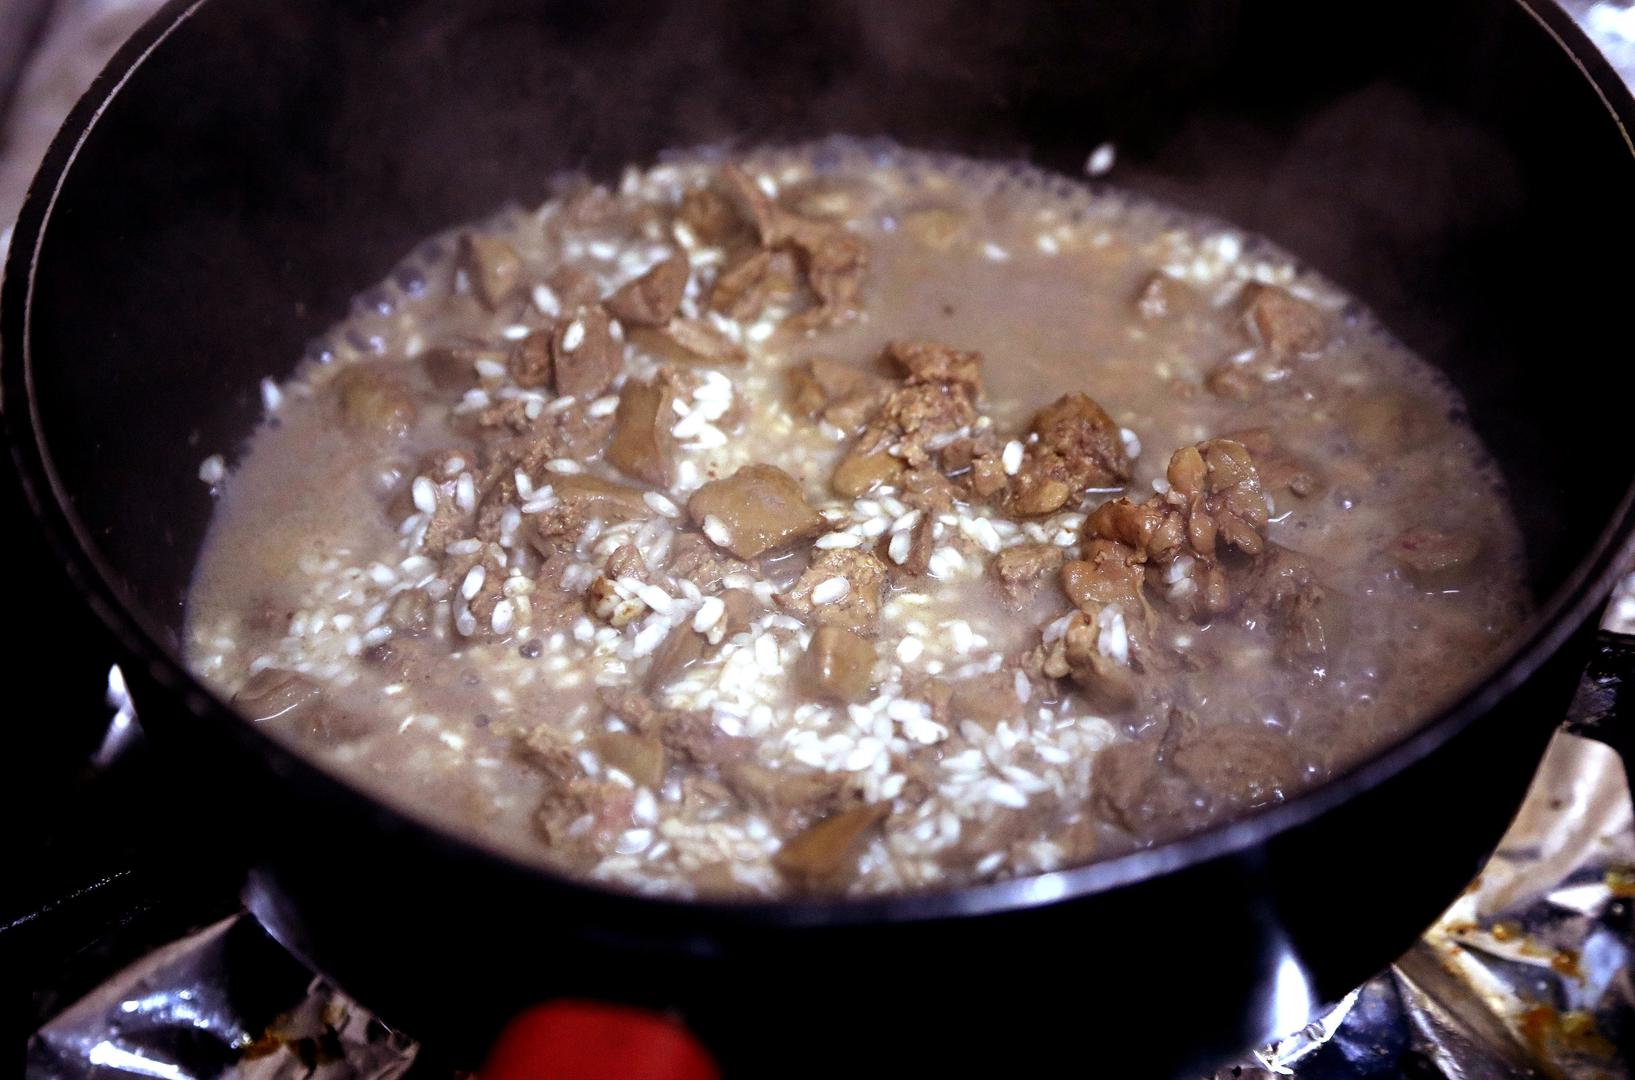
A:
(223, 1002)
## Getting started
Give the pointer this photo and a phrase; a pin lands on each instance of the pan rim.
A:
(1557, 619)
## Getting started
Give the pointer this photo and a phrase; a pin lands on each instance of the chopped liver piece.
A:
(843, 394)
(1434, 559)
(824, 854)
(1110, 573)
(756, 510)
(454, 366)
(582, 819)
(838, 666)
(695, 559)
(1078, 447)
(787, 797)
(493, 267)
(712, 219)
(759, 278)
(835, 262)
(1241, 764)
(642, 445)
(585, 356)
(860, 472)
(691, 341)
(640, 757)
(373, 403)
(985, 700)
(840, 588)
(530, 361)
(1285, 324)
(653, 298)
(1279, 470)
(1020, 570)
(682, 648)
(934, 362)
(594, 497)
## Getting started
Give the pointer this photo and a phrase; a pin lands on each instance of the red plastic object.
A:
(584, 1040)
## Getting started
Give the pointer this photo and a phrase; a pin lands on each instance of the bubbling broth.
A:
(812, 522)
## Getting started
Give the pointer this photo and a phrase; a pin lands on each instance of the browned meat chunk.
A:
(1215, 504)
(759, 278)
(691, 736)
(1434, 559)
(642, 446)
(549, 751)
(1242, 765)
(454, 366)
(838, 666)
(934, 362)
(824, 855)
(712, 219)
(1279, 470)
(640, 757)
(985, 700)
(788, 797)
(758, 509)
(574, 288)
(834, 261)
(530, 362)
(1078, 448)
(976, 463)
(1225, 503)
(492, 266)
(373, 403)
(1236, 382)
(581, 819)
(594, 497)
(1133, 789)
(1110, 573)
(626, 561)
(584, 354)
(694, 558)
(653, 298)
(860, 472)
(694, 737)
(690, 341)
(1309, 621)
(1163, 297)
(681, 649)
(1020, 570)
(1285, 324)
(843, 394)
(1106, 680)
(841, 587)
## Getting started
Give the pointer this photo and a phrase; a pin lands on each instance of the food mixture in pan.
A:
(824, 521)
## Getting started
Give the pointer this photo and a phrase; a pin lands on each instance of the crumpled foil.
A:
(223, 1002)
(1527, 974)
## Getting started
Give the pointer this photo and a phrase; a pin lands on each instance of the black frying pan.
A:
(243, 167)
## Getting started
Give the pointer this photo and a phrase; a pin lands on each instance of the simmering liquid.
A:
(813, 522)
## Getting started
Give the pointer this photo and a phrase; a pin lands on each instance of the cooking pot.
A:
(242, 169)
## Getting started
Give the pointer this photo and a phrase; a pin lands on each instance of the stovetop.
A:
(98, 923)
